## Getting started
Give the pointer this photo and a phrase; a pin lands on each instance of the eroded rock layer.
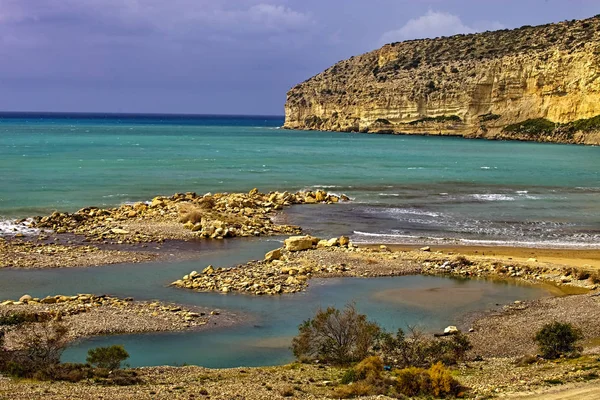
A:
(480, 85)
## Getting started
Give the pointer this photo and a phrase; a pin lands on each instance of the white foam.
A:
(493, 197)
(389, 238)
(404, 211)
(389, 194)
(11, 228)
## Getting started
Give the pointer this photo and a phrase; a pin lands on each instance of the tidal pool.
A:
(264, 338)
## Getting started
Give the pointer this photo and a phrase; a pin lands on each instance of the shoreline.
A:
(87, 316)
(585, 258)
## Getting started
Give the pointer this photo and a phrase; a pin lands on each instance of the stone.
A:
(310, 200)
(7, 303)
(25, 298)
(188, 225)
(273, 255)
(344, 240)
(426, 248)
(451, 330)
(298, 243)
(208, 270)
(119, 231)
(532, 260)
(333, 242)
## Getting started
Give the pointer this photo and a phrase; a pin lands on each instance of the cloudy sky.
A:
(216, 56)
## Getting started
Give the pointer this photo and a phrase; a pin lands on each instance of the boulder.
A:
(26, 298)
(119, 231)
(208, 270)
(333, 242)
(426, 248)
(451, 330)
(298, 243)
(344, 240)
(273, 255)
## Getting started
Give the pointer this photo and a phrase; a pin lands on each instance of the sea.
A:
(404, 189)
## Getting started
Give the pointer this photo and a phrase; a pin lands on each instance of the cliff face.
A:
(470, 85)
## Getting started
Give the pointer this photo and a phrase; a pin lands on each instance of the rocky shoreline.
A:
(498, 336)
(86, 315)
(290, 268)
(95, 236)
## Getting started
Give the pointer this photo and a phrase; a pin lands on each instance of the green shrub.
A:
(337, 337)
(18, 318)
(532, 127)
(418, 350)
(107, 357)
(558, 339)
(349, 376)
(585, 125)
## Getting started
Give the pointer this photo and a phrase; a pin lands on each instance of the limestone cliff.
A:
(480, 85)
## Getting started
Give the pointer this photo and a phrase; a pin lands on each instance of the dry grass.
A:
(190, 213)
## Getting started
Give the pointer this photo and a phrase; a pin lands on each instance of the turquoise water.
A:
(406, 188)
(273, 320)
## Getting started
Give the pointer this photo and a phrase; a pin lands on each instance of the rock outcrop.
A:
(481, 85)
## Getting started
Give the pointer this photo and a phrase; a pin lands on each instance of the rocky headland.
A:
(96, 236)
(533, 83)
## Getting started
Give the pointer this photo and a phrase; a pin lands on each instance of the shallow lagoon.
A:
(264, 337)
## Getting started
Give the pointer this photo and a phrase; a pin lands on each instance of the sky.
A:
(217, 56)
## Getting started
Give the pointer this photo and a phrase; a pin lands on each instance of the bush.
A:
(369, 369)
(38, 346)
(107, 357)
(557, 339)
(442, 382)
(418, 350)
(357, 389)
(413, 381)
(437, 381)
(41, 345)
(334, 336)
(18, 318)
(532, 127)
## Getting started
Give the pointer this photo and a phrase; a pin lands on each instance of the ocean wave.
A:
(389, 194)
(493, 197)
(403, 211)
(11, 228)
(392, 238)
